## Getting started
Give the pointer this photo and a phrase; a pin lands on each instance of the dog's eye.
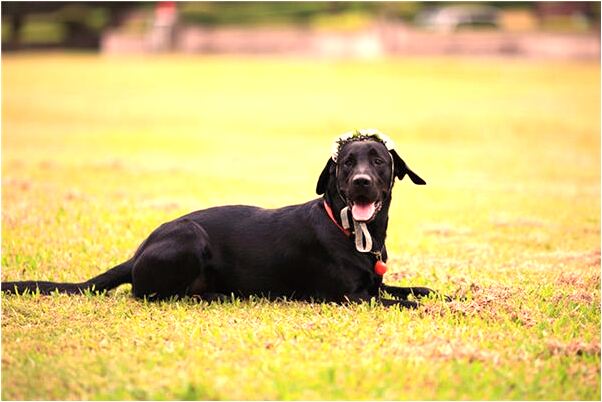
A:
(349, 163)
(378, 161)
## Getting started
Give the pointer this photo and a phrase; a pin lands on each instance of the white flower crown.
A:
(360, 135)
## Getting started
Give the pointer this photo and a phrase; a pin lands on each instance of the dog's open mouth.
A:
(364, 210)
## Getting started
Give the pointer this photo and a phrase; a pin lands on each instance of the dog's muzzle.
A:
(363, 198)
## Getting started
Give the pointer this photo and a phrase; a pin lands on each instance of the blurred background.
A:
(140, 112)
(335, 29)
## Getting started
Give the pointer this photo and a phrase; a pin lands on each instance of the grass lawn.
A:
(98, 151)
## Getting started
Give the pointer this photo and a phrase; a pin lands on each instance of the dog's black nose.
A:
(362, 180)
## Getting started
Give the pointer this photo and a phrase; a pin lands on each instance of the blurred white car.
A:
(453, 18)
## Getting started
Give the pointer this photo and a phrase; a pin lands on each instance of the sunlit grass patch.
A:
(97, 152)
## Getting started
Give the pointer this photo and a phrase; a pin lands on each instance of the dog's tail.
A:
(114, 277)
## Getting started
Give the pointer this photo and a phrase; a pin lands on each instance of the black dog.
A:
(301, 252)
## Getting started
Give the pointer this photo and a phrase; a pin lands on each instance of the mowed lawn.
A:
(98, 151)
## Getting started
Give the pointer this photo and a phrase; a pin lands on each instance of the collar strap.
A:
(346, 231)
(363, 239)
(362, 236)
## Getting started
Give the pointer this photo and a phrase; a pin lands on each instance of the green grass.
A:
(98, 151)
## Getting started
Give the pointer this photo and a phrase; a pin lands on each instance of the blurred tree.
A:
(79, 24)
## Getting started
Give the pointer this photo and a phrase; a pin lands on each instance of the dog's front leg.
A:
(404, 292)
(365, 297)
(398, 303)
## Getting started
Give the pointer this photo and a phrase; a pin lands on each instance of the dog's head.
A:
(362, 170)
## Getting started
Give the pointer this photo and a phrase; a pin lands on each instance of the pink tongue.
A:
(363, 212)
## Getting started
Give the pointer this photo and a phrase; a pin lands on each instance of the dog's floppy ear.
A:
(324, 176)
(401, 169)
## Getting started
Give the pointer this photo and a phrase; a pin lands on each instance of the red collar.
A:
(331, 216)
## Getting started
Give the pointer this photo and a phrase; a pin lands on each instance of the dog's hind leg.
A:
(172, 262)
